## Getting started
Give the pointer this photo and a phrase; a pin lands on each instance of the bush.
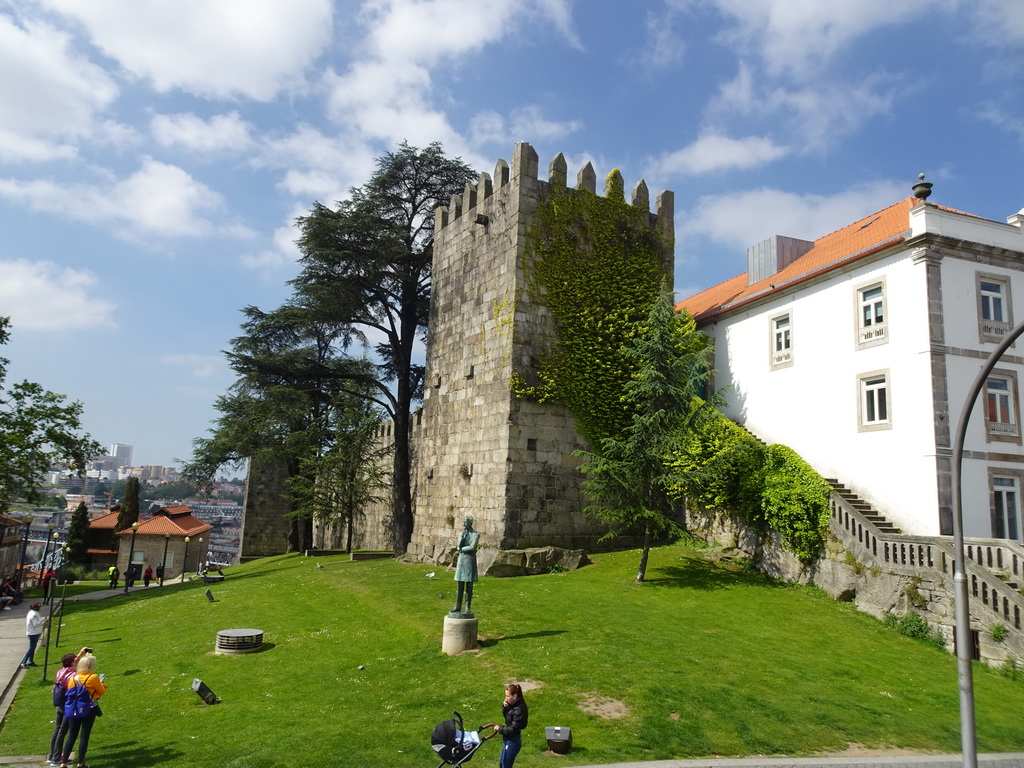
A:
(913, 625)
(795, 502)
(999, 632)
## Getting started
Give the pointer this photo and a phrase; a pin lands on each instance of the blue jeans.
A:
(509, 750)
(33, 641)
(78, 725)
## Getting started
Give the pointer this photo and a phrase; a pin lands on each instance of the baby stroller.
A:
(453, 744)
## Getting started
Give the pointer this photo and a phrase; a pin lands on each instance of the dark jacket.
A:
(515, 715)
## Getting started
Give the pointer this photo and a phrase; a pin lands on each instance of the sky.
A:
(154, 155)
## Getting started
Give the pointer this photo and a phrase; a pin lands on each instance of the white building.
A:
(858, 350)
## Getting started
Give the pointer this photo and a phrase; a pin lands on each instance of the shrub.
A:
(913, 625)
(999, 632)
(795, 502)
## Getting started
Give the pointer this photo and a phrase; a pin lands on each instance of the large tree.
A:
(366, 265)
(38, 429)
(631, 476)
(290, 365)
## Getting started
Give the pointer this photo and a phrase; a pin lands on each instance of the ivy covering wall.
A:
(595, 262)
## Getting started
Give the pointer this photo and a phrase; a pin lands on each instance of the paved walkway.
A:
(13, 646)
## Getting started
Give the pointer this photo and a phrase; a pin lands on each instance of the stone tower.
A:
(478, 449)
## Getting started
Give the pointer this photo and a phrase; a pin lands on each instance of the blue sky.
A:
(153, 155)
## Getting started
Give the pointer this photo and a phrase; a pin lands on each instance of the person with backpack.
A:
(60, 689)
(81, 708)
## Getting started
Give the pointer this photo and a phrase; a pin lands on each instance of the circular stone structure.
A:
(234, 641)
(459, 634)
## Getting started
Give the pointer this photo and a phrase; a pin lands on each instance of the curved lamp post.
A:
(163, 562)
(131, 555)
(51, 585)
(184, 560)
(968, 741)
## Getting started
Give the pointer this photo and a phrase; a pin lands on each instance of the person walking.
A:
(147, 575)
(80, 727)
(115, 576)
(35, 623)
(514, 711)
(60, 686)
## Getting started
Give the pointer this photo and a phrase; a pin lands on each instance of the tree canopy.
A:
(366, 268)
(630, 476)
(38, 429)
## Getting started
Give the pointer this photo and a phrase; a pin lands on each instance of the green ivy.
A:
(795, 502)
(596, 263)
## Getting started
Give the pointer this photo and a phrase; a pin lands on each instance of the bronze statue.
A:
(465, 567)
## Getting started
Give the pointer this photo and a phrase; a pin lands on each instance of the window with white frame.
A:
(1005, 505)
(1002, 407)
(874, 406)
(995, 317)
(871, 315)
(781, 341)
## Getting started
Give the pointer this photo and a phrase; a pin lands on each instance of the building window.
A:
(781, 341)
(995, 316)
(875, 410)
(871, 315)
(1002, 407)
(1006, 523)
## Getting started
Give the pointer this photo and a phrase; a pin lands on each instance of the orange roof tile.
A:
(179, 524)
(109, 520)
(868, 235)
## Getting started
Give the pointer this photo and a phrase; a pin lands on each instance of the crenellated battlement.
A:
(524, 171)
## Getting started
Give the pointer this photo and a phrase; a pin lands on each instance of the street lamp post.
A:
(163, 561)
(46, 552)
(63, 594)
(24, 549)
(184, 560)
(131, 556)
(50, 585)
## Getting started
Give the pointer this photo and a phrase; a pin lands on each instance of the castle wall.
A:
(265, 528)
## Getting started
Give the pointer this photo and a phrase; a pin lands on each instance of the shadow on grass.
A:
(493, 641)
(132, 753)
(696, 573)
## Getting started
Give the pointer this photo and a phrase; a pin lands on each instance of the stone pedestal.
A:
(459, 633)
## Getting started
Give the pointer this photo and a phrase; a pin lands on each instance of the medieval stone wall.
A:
(476, 449)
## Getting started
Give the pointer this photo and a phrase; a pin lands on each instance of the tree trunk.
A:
(642, 571)
(401, 486)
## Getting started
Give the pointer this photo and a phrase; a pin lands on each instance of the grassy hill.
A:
(701, 660)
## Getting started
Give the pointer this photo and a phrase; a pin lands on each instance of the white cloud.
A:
(52, 101)
(798, 37)
(713, 152)
(817, 115)
(523, 124)
(997, 23)
(200, 366)
(999, 117)
(386, 93)
(221, 133)
(254, 48)
(158, 199)
(284, 254)
(738, 221)
(318, 167)
(43, 296)
(664, 45)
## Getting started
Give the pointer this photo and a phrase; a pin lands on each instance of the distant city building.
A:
(121, 454)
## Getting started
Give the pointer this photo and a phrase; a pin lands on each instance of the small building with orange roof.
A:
(172, 537)
(858, 350)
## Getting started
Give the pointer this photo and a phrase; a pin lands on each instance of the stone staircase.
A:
(868, 512)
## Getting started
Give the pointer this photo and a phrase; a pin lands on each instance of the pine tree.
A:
(630, 478)
(78, 530)
(129, 508)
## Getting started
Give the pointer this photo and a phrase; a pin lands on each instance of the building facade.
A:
(858, 350)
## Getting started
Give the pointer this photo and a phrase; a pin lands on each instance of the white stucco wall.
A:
(812, 406)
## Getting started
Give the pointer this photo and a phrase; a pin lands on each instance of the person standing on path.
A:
(513, 709)
(60, 723)
(115, 576)
(87, 677)
(35, 622)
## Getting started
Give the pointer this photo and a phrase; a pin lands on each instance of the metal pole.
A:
(184, 560)
(163, 562)
(964, 645)
(63, 595)
(46, 551)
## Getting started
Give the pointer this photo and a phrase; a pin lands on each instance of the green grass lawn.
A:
(699, 661)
